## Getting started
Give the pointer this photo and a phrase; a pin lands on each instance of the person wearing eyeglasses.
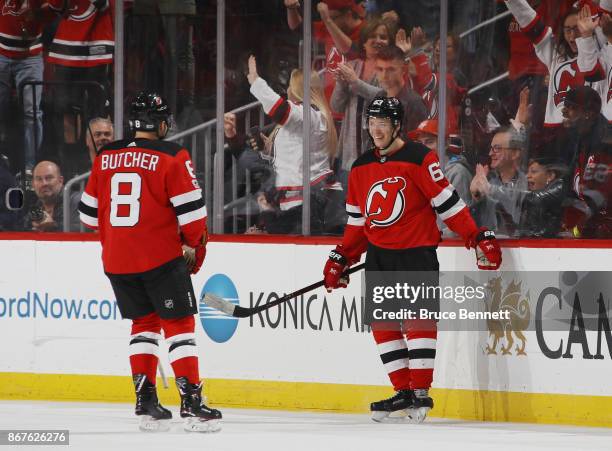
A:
(558, 51)
(498, 188)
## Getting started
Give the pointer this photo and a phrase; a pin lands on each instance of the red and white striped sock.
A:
(144, 345)
(421, 337)
(394, 355)
(182, 349)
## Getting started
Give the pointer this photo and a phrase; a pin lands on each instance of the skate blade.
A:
(150, 424)
(405, 416)
(199, 425)
(417, 416)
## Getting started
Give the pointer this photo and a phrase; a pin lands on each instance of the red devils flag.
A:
(333, 59)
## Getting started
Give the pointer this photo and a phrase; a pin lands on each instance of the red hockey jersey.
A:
(595, 185)
(426, 83)
(85, 35)
(138, 195)
(392, 201)
(21, 25)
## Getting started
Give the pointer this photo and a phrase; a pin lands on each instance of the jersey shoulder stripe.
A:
(167, 147)
(365, 158)
(412, 152)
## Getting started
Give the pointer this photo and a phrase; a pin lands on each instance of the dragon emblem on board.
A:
(512, 300)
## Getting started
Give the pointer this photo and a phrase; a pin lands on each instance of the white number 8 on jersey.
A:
(132, 200)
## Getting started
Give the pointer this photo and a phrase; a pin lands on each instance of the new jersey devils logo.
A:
(567, 76)
(82, 10)
(386, 202)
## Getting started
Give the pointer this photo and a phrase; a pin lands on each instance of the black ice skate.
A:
(153, 417)
(397, 403)
(198, 416)
(406, 406)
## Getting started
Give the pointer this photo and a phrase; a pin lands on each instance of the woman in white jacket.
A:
(287, 150)
(559, 53)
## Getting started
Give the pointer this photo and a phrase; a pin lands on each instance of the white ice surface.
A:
(113, 427)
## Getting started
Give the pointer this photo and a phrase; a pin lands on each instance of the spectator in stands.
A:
(46, 214)
(21, 26)
(171, 20)
(498, 189)
(558, 52)
(425, 78)
(81, 51)
(340, 27)
(100, 133)
(541, 209)
(252, 154)
(523, 64)
(356, 86)
(424, 13)
(458, 170)
(595, 60)
(392, 75)
(589, 147)
(287, 149)
(9, 219)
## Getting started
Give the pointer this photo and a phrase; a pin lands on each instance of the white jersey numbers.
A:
(125, 199)
(435, 171)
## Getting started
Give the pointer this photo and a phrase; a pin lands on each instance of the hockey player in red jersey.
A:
(144, 199)
(394, 193)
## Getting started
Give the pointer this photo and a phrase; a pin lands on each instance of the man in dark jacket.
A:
(588, 148)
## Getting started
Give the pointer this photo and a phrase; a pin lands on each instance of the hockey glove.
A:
(200, 253)
(488, 252)
(189, 256)
(336, 264)
(194, 257)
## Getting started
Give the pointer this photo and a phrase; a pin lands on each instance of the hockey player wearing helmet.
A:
(138, 192)
(149, 113)
(384, 117)
(393, 191)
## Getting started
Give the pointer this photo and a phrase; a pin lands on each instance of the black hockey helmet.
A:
(147, 111)
(386, 107)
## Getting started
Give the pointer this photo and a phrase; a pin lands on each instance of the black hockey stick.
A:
(218, 303)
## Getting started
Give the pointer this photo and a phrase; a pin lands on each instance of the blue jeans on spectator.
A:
(22, 70)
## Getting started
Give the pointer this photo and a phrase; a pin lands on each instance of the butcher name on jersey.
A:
(386, 202)
(129, 160)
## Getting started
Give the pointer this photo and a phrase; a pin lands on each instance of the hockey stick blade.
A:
(218, 303)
